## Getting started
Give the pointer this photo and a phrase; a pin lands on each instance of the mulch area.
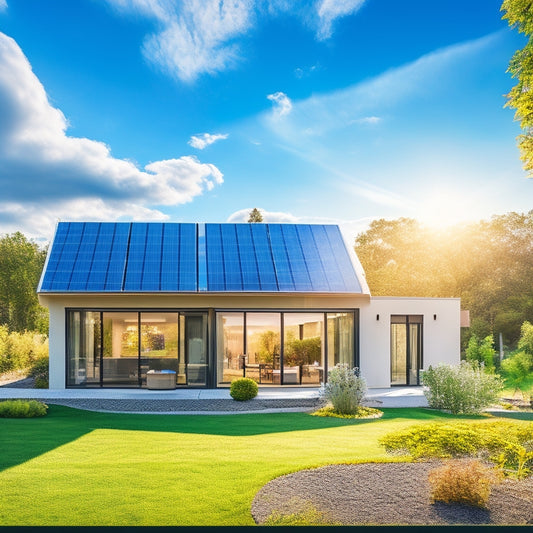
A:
(387, 494)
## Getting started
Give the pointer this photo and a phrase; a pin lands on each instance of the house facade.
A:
(280, 303)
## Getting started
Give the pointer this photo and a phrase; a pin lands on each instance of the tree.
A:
(481, 351)
(21, 264)
(255, 215)
(519, 13)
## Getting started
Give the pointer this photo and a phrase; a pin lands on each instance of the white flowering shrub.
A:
(345, 389)
(463, 388)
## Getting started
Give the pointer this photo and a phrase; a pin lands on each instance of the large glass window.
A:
(230, 346)
(303, 348)
(263, 346)
(251, 344)
(406, 349)
(84, 341)
(159, 342)
(340, 339)
(121, 363)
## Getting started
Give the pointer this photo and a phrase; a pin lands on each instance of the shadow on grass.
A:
(24, 439)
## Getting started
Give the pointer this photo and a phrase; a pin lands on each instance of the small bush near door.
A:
(243, 389)
(345, 389)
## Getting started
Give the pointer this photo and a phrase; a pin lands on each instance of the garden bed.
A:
(387, 494)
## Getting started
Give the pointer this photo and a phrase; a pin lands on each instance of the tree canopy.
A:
(255, 215)
(519, 13)
(488, 264)
(21, 264)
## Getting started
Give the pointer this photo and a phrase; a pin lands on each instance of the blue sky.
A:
(336, 111)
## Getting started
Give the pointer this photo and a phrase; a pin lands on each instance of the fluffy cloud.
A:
(330, 10)
(205, 139)
(40, 165)
(195, 37)
(3, 5)
(282, 104)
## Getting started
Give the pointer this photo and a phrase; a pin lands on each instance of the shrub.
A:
(460, 388)
(507, 444)
(517, 372)
(22, 409)
(345, 389)
(243, 389)
(18, 350)
(481, 351)
(39, 370)
(462, 481)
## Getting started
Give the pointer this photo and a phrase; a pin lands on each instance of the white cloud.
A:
(330, 10)
(282, 104)
(205, 139)
(367, 120)
(3, 5)
(43, 169)
(194, 36)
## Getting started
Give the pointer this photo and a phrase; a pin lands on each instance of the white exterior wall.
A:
(441, 337)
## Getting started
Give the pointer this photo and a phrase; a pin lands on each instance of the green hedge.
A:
(22, 409)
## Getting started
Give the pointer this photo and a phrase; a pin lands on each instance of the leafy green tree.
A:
(21, 264)
(519, 14)
(255, 215)
(481, 351)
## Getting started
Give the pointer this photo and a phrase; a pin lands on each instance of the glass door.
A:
(406, 349)
(192, 361)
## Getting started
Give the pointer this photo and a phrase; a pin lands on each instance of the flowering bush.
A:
(463, 388)
(345, 389)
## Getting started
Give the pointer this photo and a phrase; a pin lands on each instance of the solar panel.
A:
(170, 257)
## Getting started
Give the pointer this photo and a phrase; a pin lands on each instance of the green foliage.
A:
(460, 388)
(466, 482)
(39, 370)
(519, 13)
(517, 372)
(18, 351)
(481, 351)
(22, 409)
(302, 351)
(269, 344)
(526, 338)
(243, 389)
(362, 412)
(345, 389)
(255, 215)
(506, 443)
(21, 264)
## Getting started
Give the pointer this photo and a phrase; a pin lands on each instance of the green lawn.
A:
(77, 467)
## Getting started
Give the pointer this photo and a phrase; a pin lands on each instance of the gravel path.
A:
(387, 494)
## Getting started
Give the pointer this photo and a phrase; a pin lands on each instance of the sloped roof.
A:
(134, 257)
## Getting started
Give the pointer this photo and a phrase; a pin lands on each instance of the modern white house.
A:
(280, 303)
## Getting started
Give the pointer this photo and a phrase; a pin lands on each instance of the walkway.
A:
(205, 401)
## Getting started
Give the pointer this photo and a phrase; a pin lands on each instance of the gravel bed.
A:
(387, 494)
(175, 406)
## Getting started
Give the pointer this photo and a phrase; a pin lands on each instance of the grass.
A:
(85, 468)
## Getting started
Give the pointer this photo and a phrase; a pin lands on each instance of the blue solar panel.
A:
(265, 262)
(232, 262)
(191, 276)
(345, 266)
(281, 260)
(136, 254)
(315, 269)
(154, 257)
(247, 257)
(214, 258)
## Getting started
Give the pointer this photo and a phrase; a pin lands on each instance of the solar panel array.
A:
(171, 257)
